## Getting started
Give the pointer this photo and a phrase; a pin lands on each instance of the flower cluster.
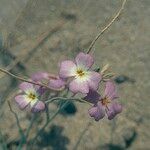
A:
(77, 76)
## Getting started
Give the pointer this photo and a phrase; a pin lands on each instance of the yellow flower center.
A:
(32, 96)
(80, 73)
(105, 101)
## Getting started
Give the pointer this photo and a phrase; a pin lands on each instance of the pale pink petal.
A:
(110, 90)
(94, 80)
(39, 106)
(39, 76)
(93, 97)
(57, 83)
(77, 86)
(21, 101)
(67, 69)
(97, 112)
(83, 59)
(25, 86)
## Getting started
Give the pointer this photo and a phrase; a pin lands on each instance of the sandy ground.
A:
(41, 33)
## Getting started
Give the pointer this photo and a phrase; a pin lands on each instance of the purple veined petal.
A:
(113, 109)
(117, 107)
(97, 112)
(94, 80)
(57, 83)
(21, 101)
(38, 106)
(93, 97)
(111, 114)
(76, 86)
(67, 69)
(83, 59)
(40, 90)
(110, 90)
(39, 76)
(26, 87)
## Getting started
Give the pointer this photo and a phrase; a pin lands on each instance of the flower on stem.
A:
(53, 81)
(83, 79)
(57, 83)
(104, 105)
(29, 96)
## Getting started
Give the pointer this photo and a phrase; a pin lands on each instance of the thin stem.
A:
(26, 80)
(2, 141)
(48, 121)
(23, 138)
(30, 125)
(106, 27)
(27, 132)
(81, 135)
(66, 98)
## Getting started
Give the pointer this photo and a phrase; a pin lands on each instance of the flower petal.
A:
(110, 90)
(39, 106)
(21, 101)
(94, 80)
(40, 90)
(93, 97)
(26, 87)
(67, 69)
(39, 76)
(57, 83)
(79, 86)
(113, 109)
(83, 59)
(111, 114)
(117, 107)
(97, 112)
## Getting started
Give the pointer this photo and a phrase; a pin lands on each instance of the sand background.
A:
(41, 33)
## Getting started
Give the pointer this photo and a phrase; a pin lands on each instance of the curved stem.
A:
(106, 27)
(30, 125)
(81, 135)
(22, 136)
(66, 98)
(26, 80)
(48, 121)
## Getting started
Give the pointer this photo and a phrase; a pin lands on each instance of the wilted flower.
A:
(29, 96)
(53, 81)
(57, 83)
(83, 79)
(105, 104)
(39, 76)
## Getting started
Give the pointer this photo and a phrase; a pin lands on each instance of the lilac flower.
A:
(53, 81)
(104, 105)
(57, 83)
(83, 79)
(29, 97)
(39, 76)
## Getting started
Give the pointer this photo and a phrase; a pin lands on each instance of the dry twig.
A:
(106, 27)
(26, 80)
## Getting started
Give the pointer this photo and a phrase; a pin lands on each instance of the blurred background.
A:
(35, 35)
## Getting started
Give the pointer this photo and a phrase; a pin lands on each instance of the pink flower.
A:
(39, 76)
(53, 81)
(29, 96)
(83, 79)
(104, 105)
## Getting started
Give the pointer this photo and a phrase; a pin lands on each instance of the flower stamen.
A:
(105, 101)
(32, 96)
(80, 73)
